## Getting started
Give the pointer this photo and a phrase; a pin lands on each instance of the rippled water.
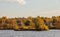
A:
(11, 33)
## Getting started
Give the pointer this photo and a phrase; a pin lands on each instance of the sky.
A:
(25, 8)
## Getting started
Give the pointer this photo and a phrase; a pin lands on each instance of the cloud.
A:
(22, 2)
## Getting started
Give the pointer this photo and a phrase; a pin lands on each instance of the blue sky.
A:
(30, 8)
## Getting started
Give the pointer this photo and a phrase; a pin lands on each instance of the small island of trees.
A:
(30, 23)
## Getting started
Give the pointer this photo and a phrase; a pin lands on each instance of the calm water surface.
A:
(11, 33)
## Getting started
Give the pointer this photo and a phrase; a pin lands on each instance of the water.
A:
(11, 33)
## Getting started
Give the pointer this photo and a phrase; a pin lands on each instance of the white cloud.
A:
(22, 2)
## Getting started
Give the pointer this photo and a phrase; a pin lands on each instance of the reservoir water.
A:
(11, 33)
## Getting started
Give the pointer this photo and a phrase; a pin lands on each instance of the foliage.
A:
(38, 23)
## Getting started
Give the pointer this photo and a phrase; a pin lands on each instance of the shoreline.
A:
(30, 30)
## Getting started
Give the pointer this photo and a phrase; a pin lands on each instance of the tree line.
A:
(30, 23)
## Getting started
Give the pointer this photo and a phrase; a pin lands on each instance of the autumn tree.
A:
(39, 23)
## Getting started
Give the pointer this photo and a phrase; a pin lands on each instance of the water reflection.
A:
(11, 33)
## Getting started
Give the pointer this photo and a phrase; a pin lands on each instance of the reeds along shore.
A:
(30, 23)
